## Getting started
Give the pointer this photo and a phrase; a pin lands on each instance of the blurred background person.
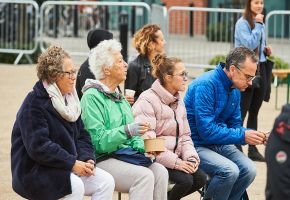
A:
(108, 118)
(163, 108)
(95, 36)
(277, 156)
(250, 33)
(148, 41)
(52, 156)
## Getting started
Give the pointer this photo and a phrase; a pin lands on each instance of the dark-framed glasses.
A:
(247, 76)
(70, 74)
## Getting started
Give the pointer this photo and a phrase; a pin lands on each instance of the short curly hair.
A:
(50, 63)
(103, 55)
(144, 37)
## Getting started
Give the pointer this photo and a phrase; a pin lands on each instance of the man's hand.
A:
(255, 137)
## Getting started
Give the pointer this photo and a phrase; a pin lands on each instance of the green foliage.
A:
(220, 32)
(279, 63)
(215, 61)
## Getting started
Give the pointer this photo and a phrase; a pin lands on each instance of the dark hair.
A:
(248, 14)
(95, 36)
(144, 37)
(163, 65)
(238, 55)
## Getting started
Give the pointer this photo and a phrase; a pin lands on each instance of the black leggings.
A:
(185, 184)
(252, 99)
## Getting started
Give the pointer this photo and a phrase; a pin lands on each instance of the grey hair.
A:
(238, 55)
(103, 55)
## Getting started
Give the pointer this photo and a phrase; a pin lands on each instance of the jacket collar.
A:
(40, 90)
(144, 60)
(226, 81)
(165, 96)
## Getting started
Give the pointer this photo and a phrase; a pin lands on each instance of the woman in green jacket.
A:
(108, 118)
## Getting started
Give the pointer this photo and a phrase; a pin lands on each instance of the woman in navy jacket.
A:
(52, 156)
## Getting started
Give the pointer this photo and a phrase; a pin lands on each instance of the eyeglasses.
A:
(182, 74)
(71, 74)
(247, 76)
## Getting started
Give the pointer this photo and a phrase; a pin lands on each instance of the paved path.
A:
(16, 81)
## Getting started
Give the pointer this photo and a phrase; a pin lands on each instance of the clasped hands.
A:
(82, 168)
(188, 167)
(253, 137)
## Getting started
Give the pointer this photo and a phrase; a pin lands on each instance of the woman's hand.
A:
(138, 128)
(259, 18)
(130, 99)
(268, 50)
(81, 168)
(187, 167)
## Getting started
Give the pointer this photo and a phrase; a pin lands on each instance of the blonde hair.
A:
(144, 37)
(50, 63)
(103, 55)
(163, 65)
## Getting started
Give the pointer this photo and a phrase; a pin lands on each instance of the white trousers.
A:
(141, 183)
(100, 186)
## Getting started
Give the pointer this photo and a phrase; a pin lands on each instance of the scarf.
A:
(68, 106)
(114, 96)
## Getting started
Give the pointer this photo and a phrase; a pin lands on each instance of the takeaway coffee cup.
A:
(156, 144)
(129, 92)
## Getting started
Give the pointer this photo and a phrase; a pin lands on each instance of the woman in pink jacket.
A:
(162, 107)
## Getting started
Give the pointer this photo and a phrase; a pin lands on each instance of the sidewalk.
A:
(16, 81)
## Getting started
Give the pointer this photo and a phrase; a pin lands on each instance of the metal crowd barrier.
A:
(193, 34)
(278, 33)
(18, 27)
(66, 23)
(198, 34)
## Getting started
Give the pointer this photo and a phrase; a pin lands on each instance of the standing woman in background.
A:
(148, 41)
(250, 32)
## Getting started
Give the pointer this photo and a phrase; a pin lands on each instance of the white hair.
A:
(103, 55)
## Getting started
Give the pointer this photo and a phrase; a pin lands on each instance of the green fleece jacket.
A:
(105, 120)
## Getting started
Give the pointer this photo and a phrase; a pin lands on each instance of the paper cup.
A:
(156, 144)
(129, 92)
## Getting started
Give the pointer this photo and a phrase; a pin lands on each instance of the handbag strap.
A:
(177, 132)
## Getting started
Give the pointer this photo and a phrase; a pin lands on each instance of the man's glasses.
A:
(247, 76)
(182, 74)
(70, 74)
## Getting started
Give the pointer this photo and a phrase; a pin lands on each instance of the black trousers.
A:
(252, 99)
(185, 184)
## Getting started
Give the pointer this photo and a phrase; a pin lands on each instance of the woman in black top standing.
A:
(148, 41)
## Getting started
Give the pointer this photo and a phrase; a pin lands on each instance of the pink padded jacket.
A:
(157, 106)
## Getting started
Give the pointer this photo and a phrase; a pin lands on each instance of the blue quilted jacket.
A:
(213, 109)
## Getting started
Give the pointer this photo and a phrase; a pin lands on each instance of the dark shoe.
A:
(239, 147)
(254, 154)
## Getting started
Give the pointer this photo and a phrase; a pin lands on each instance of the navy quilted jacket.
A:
(213, 110)
(45, 148)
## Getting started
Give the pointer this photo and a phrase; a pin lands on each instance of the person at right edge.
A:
(250, 32)
(277, 158)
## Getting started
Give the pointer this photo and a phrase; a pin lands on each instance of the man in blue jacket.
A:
(213, 109)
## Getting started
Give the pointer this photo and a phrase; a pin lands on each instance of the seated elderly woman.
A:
(108, 118)
(52, 156)
(162, 107)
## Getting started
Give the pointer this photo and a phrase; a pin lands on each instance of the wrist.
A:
(127, 130)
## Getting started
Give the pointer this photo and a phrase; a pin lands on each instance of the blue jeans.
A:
(230, 170)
